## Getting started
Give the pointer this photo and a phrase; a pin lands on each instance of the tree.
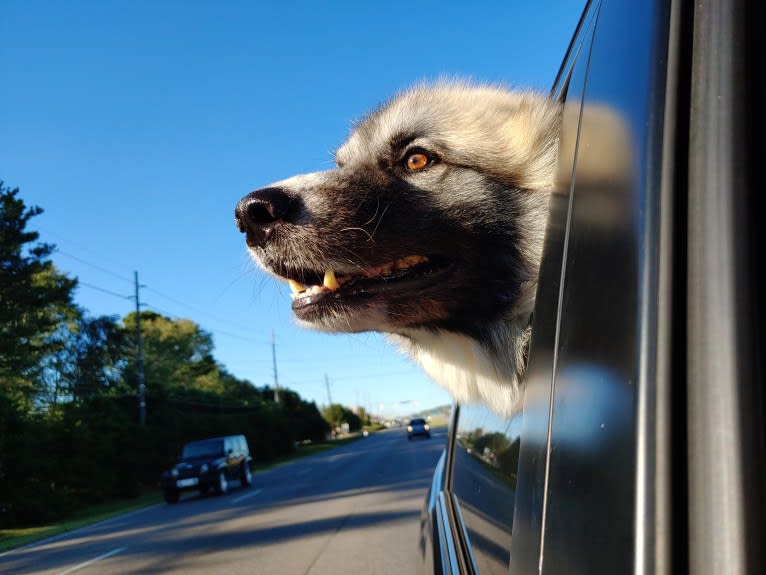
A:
(90, 359)
(100, 348)
(494, 442)
(337, 415)
(178, 354)
(305, 420)
(364, 417)
(34, 299)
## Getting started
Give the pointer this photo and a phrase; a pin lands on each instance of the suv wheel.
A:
(246, 475)
(222, 486)
(171, 496)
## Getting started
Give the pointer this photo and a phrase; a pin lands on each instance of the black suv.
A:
(209, 463)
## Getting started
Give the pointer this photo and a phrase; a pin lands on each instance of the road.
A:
(354, 509)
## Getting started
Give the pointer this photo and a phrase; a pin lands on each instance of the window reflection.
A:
(484, 481)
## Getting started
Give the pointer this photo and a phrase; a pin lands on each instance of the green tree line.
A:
(69, 416)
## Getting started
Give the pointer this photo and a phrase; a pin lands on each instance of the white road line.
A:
(249, 495)
(99, 558)
(67, 534)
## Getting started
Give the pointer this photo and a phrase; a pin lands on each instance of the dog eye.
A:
(417, 161)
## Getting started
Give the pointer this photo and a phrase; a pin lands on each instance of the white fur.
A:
(501, 136)
(464, 367)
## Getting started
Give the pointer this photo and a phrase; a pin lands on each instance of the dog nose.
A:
(260, 212)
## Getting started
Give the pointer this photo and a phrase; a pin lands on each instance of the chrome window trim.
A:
(528, 529)
(463, 532)
(450, 447)
(449, 554)
(561, 83)
(654, 467)
(559, 302)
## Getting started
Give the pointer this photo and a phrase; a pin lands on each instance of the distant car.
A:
(418, 427)
(209, 463)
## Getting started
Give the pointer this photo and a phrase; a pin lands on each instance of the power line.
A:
(148, 288)
(194, 308)
(215, 331)
(242, 337)
(94, 266)
(106, 291)
(374, 374)
(172, 299)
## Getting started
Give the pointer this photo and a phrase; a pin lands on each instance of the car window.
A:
(210, 448)
(485, 459)
(485, 454)
(585, 373)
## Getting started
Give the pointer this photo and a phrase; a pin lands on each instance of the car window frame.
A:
(448, 517)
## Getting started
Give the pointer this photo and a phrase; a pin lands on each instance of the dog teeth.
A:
(309, 291)
(400, 264)
(330, 282)
(296, 287)
(379, 271)
(409, 261)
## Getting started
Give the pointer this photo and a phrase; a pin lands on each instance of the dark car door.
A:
(640, 448)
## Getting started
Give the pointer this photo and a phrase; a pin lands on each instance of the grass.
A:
(12, 538)
(16, 537)
(304, 451)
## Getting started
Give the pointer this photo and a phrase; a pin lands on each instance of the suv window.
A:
(208, 448)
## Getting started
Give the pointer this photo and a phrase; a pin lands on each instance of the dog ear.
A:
(530, 141)
(605, 153)
(605, 160)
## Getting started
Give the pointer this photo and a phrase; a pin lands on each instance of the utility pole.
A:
(140, 359)
(274, 359)
(327, 385)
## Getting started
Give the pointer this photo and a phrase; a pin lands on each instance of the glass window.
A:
(207, 448)
(485, 461)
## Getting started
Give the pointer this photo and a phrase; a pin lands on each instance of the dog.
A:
(429, 229)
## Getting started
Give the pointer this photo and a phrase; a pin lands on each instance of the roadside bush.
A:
(80, 453)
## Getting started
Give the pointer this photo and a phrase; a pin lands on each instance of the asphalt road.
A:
(354, 509)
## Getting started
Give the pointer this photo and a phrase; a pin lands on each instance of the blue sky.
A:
(138, 125)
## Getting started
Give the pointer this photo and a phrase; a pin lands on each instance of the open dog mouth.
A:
(410, 272)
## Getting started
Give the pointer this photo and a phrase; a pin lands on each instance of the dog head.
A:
(432, 219)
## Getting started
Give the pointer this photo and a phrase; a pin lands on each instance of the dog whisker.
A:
(369, 236)
(379, 222)
(372, 219)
